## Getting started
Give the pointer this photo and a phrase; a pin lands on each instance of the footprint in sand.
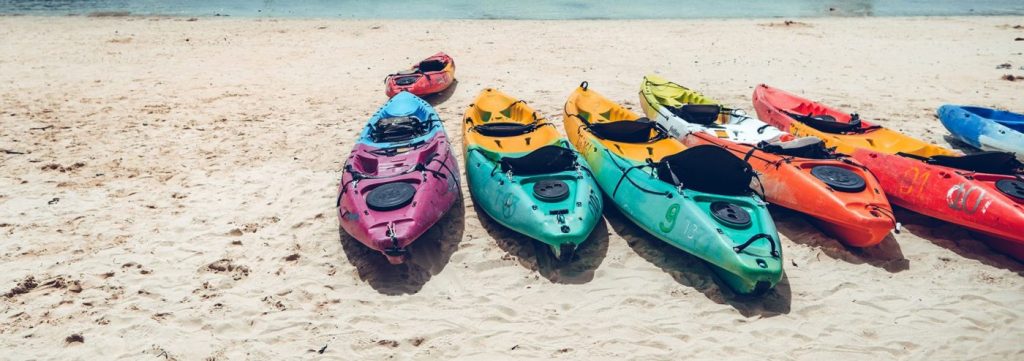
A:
(226, 266)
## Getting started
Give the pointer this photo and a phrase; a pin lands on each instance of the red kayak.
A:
(429, 76)
(983, 192)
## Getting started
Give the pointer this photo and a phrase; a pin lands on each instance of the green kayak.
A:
(525, 176)
(696, 199)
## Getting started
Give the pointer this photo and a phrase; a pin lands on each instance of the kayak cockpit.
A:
(982, 162)
(398, 129)
(708, 169)
(641, 130)
(703, 114)
(544, 160)
(1010, 120)
(430, 65)
(638, 140)
(829, 124)
(506, 129)
(805, 147)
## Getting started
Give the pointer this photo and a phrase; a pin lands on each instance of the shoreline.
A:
(130, 15)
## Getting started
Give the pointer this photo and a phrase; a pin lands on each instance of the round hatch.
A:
(1011, 187)
(840, 179)
(730, 214)
(551, 190)
(390, 196)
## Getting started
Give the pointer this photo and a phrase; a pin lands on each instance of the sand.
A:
(167, 191)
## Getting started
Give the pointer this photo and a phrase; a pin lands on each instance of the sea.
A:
(514, 9)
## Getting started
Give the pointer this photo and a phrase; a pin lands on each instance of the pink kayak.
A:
(400, 178)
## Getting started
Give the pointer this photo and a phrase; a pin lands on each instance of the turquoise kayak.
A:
(526, 176)
(696, 199)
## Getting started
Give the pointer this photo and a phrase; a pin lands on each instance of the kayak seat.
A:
(999, 116)
(1010, 123)
(642, 130)
(704, 114)
(982, 162)
(1017, 126)
(504, 129)
(398, 129)
(827, 123)
(544, 160)
(707, 168)
(806, 147)
(1007, 119)
(406, 80)
(431, 65)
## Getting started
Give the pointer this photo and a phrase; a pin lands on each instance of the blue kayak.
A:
(985, 128)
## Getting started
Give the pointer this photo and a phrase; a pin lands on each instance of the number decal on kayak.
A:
(909, 181)
(584, 146)
(670, 217)
(959, 198)
(592, 203)
(691, 230)
(508, 203)
(797, 131)
(581, 143)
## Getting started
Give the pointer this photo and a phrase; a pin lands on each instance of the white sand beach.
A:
(167, 191)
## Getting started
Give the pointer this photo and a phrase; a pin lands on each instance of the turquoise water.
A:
(527, 9)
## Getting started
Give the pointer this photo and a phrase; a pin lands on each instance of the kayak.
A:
(840, 195)
(681, 111)
(429, 76)
(845, 132)
(983, 192)
(525, 176)
(400, 178)
(696, 199)
(985, 128)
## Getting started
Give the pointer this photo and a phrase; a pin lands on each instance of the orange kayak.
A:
(841, 197)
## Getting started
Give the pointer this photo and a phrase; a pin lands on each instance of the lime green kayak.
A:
(695, 199)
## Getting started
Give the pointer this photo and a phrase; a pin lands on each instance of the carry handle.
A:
(771, 242)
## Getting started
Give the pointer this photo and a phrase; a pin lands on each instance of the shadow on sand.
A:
(886, 255)
(958, 239)
(428, 256)
(438, 98)
(958, 144)
(536, 256)
(690, 271)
